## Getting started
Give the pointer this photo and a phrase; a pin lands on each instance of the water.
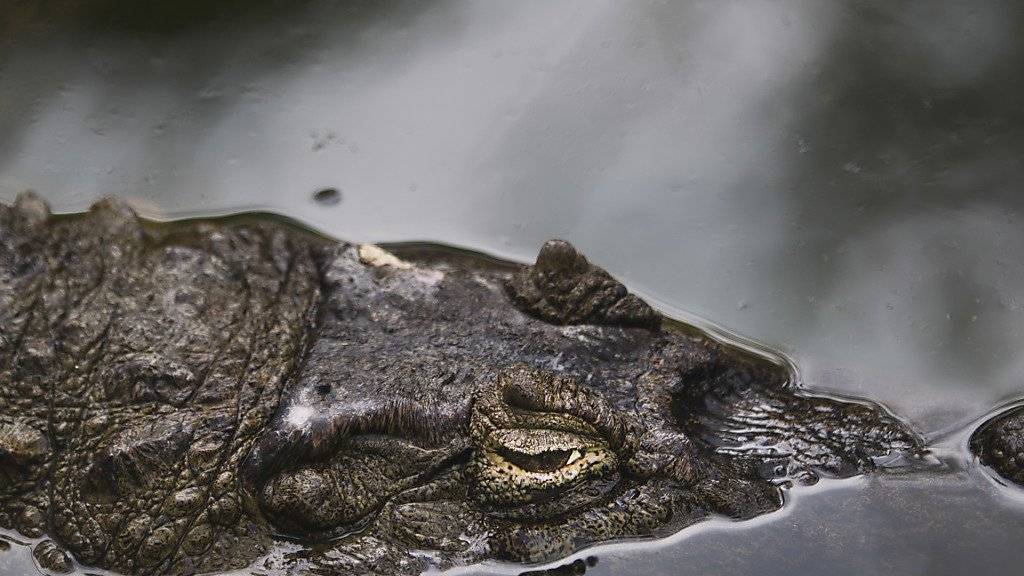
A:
(837, 181)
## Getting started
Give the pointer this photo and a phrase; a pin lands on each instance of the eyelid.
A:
(556, 421)
(533, 442)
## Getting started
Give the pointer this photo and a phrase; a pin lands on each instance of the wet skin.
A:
(999, 444)
(193, 397)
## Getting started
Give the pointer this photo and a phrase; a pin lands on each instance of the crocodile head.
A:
(195, 397)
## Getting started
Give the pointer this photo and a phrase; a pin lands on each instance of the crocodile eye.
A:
(518, 466)
(547, 461)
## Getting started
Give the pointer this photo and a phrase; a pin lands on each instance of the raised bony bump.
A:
(21, 443)
(563, 287)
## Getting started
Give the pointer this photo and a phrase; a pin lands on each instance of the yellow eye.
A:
(548, 461)
(524, 465)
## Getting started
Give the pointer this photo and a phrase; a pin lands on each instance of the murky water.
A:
(838, 181)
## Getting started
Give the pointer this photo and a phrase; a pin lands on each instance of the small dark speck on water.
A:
(327, 196)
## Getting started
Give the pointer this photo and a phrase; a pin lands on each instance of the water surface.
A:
(840, 182)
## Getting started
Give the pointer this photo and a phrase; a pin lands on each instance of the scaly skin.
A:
(999, 443)
(193, 397)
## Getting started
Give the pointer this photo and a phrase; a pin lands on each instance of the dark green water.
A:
(841, 182)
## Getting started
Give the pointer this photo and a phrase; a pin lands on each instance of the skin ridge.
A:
(203, 395)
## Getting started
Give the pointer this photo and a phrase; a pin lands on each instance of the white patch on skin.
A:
(477, 544)
(299, 416)
(372, 255)
(429, 277)
(585, 334)
(376, 256)
(485, 282)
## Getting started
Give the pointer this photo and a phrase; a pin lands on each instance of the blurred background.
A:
(840, 182)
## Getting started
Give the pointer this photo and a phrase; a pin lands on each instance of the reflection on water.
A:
(575, 568)
(838, 181)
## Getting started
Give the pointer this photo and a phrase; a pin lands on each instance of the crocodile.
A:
(214, 394)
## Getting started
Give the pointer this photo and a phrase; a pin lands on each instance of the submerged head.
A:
(206, 391)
